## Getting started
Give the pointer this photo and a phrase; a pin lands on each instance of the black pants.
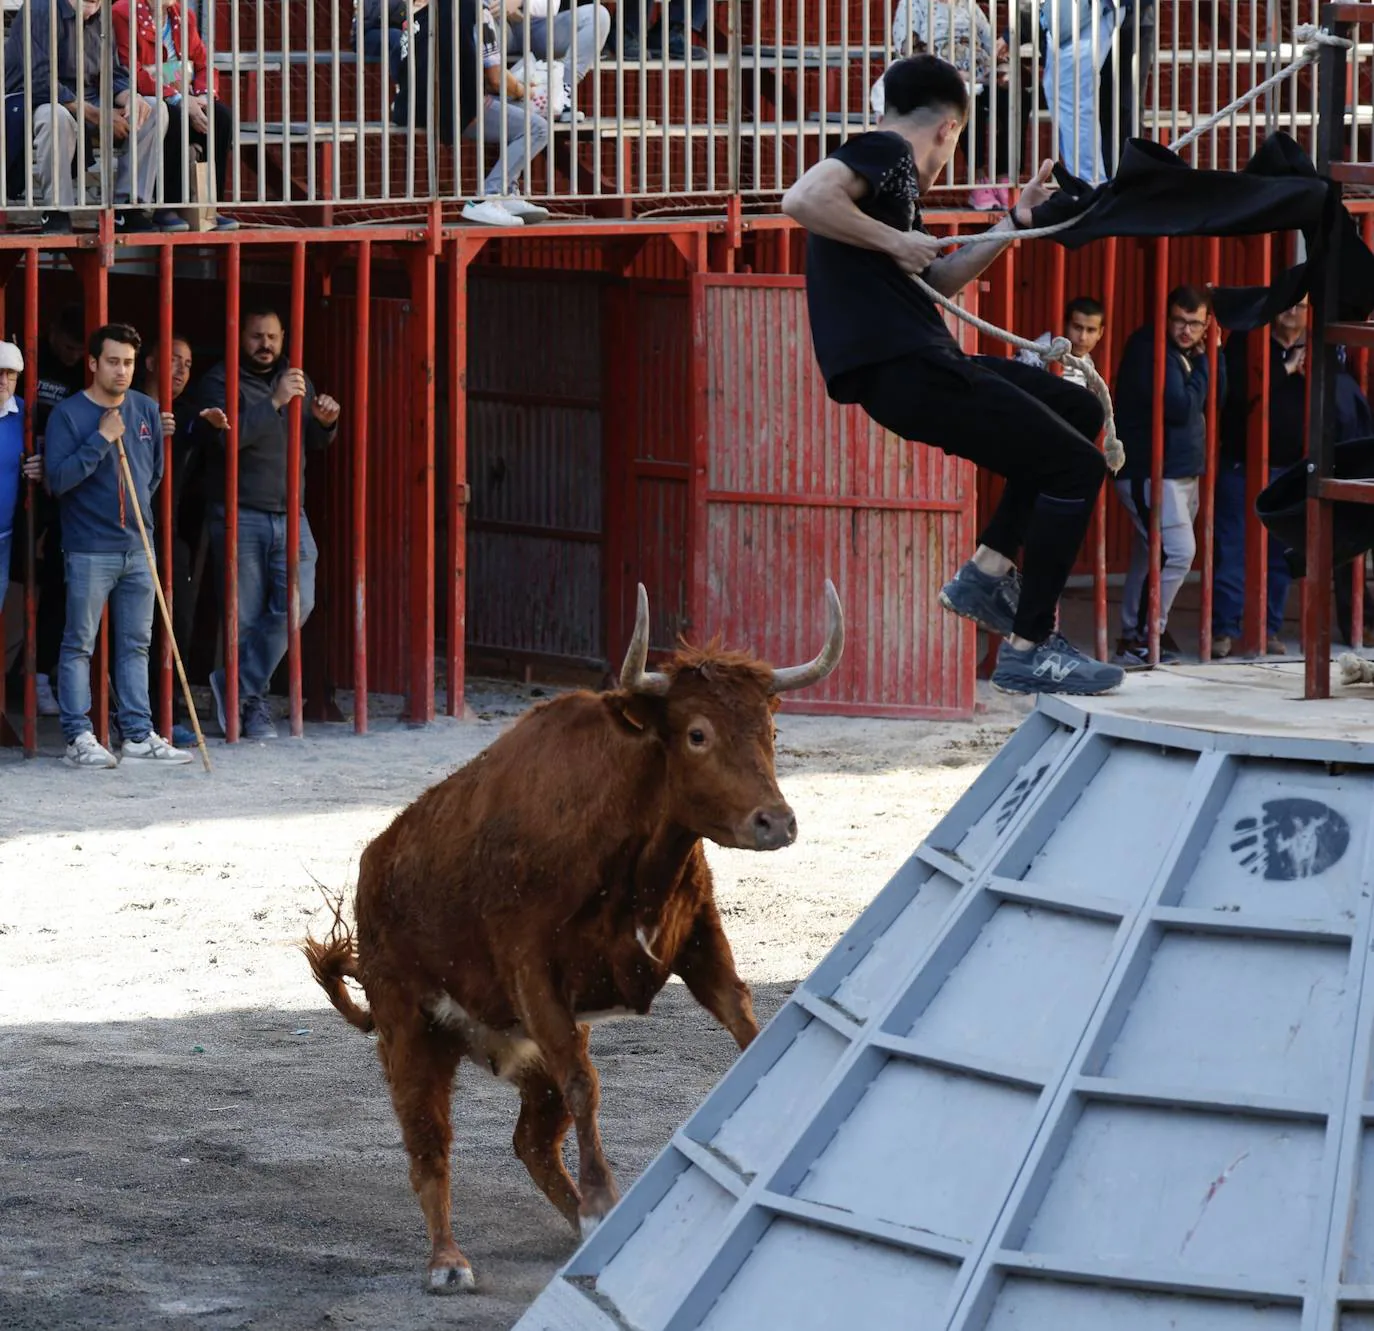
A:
(1020, 422)
(1121, 87)
(993, 160)
(173, 176)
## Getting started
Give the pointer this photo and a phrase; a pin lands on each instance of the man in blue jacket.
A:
(102, 549)
(1186, 376)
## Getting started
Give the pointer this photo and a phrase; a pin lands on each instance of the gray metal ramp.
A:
(1099, 1055)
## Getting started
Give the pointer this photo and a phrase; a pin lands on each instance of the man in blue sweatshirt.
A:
(102, 549)
(1186, 377)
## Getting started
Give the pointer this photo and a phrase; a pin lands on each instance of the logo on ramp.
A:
(1292, 839)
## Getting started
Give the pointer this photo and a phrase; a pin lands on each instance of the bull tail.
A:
(334, 961)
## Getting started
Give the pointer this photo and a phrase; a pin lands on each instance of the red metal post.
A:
(232, 271)
(698, 479)
(293, 493)
(456, 636)
(165, 515)
(1254, 637)
(95, 281)
(422, 556)
(1156, 541)
(1105, 362)
(362, 329)
(31, 501)
(1209, 479)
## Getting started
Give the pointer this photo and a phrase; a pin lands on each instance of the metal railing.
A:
(318, 107)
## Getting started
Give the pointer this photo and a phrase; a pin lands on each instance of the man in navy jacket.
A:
(102, 548)
(1186, 376)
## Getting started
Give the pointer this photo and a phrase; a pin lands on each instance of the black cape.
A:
(1156, 193)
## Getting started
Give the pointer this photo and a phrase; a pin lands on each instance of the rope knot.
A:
(1058, 348)
(1312, 37)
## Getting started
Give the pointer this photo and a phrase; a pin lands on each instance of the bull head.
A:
(635, 679)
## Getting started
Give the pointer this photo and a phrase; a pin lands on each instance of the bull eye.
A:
(696, 737)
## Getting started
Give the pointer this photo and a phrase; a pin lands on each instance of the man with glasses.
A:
(1184, 405)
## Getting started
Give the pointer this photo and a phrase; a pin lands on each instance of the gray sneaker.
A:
(257, 720)
(990, 602)
(1055, 666)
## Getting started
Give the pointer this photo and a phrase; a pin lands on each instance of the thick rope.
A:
(1355, 669)
(1060, 349)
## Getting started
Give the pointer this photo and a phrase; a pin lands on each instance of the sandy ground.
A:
(191, 1137)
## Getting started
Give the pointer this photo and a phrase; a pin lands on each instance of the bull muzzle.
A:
(769, 827)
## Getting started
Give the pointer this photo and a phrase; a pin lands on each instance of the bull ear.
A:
(637, 711)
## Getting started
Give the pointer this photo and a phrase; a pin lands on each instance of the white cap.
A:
(11, 358)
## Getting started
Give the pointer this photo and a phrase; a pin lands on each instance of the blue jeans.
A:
(1070, 80)
(1228, 558)
(122, 580)
(263, 591)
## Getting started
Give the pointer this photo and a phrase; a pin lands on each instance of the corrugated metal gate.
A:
(535, 461)
(798, 489)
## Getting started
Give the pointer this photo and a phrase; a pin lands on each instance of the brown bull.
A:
(556, 879)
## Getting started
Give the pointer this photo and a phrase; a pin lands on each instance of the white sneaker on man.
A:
(489, 212)
(523, 209)
(47, 700)
(154, 749)
(87, 751)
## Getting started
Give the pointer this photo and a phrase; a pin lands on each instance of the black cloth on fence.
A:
(1156, 193)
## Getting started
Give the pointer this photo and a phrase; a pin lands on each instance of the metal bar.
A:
(166, 515)
(1207, 514)
(456, 632)
(362, 328)
(31, 503)
(1156, 531)
(421, 701)
(95, 282)
(294, 425)
(1100, 617)
(232, 296)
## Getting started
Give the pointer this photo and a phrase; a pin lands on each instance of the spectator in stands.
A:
(1287, 446)
(105, 558)
(137, 126)
(959, 31)
(668, 34)
(1186, 376)
(580, 32)
(267, 384)
(196, 107)
(1078, 39)
(1085, 320)
(510, 121)
(15, 468)
(395, 39)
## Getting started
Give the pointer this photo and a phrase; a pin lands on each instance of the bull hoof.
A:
(587, 1225)
(451, 1279)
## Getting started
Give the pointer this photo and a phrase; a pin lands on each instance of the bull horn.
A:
(633, 677)
(799, 677)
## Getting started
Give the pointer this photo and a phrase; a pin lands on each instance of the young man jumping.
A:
(882, 343)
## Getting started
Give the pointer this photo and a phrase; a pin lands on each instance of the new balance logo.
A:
(1056, 667)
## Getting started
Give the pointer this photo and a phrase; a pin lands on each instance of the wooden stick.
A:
(162, 602)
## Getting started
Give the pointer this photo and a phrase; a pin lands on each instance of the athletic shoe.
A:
(1055, 666)
(1276, 646)
(1134, 653)
(257, 720)
(524, 210)
(989, 601)
(1221, 647)
(87, 751)
(152, 748)
(168, 219)
(489, 213)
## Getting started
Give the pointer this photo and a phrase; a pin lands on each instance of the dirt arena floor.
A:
(190, 1137)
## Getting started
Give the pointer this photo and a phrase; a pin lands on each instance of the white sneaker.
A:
(153, 748)
(570, 113)
(47, 701)
(489, 212)
(87, 751)
(523, 210)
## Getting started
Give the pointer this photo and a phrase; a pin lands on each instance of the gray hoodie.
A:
(262, 437)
